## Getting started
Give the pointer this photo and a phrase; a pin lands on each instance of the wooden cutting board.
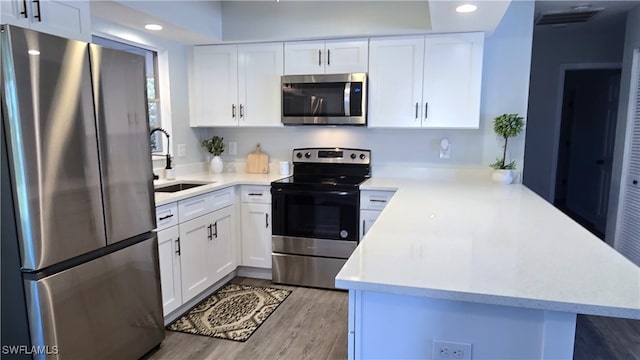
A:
(257, 162)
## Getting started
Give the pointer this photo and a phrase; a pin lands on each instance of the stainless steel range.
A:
(316, 214)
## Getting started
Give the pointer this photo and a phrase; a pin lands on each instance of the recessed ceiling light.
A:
(154, 27)
(466, 8)
(33, 52)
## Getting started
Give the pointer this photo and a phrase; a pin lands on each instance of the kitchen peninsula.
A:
(493, 266)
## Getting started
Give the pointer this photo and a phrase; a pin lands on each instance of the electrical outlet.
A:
(233, 148)
(448, 350)
(182, 150)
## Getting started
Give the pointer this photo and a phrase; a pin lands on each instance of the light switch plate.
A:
(182, 150)
(233, 148)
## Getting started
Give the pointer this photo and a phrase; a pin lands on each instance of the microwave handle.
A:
(347, 98)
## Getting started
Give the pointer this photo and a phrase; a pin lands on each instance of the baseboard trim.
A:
(254, 273)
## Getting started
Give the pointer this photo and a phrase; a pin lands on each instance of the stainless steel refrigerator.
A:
(80, 274)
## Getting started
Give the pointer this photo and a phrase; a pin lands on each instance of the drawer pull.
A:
(255, 194)
(165, 217)
(376, 200)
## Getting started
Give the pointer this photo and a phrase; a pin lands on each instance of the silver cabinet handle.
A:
(39, 15)
(328, 57)
(417, 110)
(426, 109)
(24, 12)
(178, 246)
(266, 220)
(233, 110)
(241, 111)
(165, 217)
(319, 57)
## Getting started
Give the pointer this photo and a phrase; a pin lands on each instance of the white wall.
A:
(174, 60)
(631, 42)
(504, 90)
(552, 49)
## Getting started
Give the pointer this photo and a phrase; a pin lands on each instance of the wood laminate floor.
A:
(312, 324)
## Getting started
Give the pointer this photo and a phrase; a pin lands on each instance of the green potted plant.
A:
(215, 146)
(506, 126)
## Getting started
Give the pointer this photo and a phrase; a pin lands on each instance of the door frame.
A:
(558, 115)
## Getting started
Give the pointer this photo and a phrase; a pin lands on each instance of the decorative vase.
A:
(217, 165)
(502, 176)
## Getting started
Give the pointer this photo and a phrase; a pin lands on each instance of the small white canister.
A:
(284, 168)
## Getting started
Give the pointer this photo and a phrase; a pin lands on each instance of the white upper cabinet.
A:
(326, 57)
(452, 80)
(260, 67)
(237, 85)
(395, 81)
(431, 81)
(69, 19)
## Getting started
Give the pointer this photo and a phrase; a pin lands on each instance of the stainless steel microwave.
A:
(333, 99)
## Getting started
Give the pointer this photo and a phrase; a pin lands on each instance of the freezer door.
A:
(51, 136)
(123, 134)
(108, 308)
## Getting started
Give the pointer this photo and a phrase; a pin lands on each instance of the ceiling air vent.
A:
(567, 17)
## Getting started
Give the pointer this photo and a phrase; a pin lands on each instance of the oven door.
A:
(318, 214)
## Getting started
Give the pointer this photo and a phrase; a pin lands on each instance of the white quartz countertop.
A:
(219, 181)
(488, 243)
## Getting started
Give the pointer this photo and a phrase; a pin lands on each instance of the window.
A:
(153, 93)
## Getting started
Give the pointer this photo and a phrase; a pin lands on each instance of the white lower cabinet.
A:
(256, 226)
(196, 245)
(170, 278)
(372, 202)
(367, 218)
(256, 235)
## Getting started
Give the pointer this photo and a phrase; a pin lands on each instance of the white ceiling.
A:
(202, 22)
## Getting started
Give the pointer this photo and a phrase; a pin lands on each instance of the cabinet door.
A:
(346, 56)
(170, 279)
(256, 235)
(452, 80)
(367, 218)
(215, 77)
(15, 12)
(70, 19)
(395, 81)
(195, 247)
(222, 249)
(304, 57)
(259, 69)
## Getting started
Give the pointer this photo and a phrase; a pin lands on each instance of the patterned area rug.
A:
(233, 312)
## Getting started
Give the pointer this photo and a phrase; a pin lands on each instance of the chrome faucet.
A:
(168, 157)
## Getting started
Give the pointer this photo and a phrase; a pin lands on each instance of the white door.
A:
(215, 77)
(304, 57)
(195, 243)
(222, 248)
(70, 19)
(346, 56)
(452, 80)
(367, 218)
(259, 69)
(170, 279)
(395, 81)
(256, 235)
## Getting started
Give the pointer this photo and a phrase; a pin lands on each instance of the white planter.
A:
(502, 176)
(217, 165)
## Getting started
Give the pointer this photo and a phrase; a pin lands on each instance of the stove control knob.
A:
(299, 155)
(362, 156)
(307, 155)
(353, 156)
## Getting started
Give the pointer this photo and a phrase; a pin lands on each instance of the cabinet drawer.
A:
(374, 200)
(255, 194)
(166, 216)
(193, 207)
(221, 198)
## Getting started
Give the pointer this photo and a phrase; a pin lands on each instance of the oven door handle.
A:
(320, 192)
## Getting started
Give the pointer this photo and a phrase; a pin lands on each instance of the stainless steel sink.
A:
(175, 187)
